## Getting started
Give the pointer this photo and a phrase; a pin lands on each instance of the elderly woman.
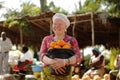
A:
(96, 63)
(59, 27)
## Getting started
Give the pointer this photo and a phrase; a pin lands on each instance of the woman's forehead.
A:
(58, 20)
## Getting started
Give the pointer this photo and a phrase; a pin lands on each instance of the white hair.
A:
(62, 17)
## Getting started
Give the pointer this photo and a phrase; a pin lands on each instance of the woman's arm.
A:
(72, 60)
(43, 48)
(48, 61)
(76, 59)
(98, 62)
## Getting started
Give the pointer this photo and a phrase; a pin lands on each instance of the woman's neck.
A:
(59, 37)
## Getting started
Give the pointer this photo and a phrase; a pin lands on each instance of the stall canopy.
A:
(89, 29)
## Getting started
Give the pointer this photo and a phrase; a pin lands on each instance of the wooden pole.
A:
(73, 29)
(50, 26)
(92, 28)
(119, 37)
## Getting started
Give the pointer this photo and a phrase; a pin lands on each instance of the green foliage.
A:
(89, 6)
(113, 54)
(52, 7)
(13, 16)
(11, 13)
(29, 9)
(13, 23)
(26, 28)
(87, 59)
(113, 7)
(110, 6)
(7, 22)
(1, 6)
(78, 10)
(114, 10)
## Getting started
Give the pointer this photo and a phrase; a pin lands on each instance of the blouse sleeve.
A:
(43, 48)
(76, 50)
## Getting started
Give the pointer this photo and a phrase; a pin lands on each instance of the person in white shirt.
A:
(26, 54)
(26, 58)
(5, 46)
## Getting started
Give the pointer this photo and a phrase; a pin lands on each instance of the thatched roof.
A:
(106, 30)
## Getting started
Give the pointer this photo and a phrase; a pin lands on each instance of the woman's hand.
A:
(59, 65)
(60, 70)
(48, 61)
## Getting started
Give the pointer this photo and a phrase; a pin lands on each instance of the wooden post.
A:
(92, 28)
(73, 29)
(50, 26)
(82, 53)
(119, 37)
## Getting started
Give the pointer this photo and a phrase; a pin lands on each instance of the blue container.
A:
(36, 68)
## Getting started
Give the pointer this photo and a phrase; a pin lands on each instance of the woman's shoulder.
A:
(70, 37)
(49, 36)
(101, 56)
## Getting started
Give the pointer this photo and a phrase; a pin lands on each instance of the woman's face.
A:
(95, 53)
(58, 26)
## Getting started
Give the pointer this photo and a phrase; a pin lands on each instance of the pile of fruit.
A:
(60, 44)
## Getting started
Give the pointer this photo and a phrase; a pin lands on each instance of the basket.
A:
(37, 74)
(36, 68)
(63, 54)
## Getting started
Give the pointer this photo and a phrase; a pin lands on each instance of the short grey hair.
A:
(62, 17)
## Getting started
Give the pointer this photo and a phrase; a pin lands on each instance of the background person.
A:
(59, 27)
(26, 54)
(96, 63)
(114, 73)
(26, 58)
(5, 46)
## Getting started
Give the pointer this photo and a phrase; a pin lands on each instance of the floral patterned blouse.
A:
(47, 40)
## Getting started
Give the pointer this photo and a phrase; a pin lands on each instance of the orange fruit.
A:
(52, 44)
(50, 48)
(67, 46)
(57, 46)
(61, 42)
